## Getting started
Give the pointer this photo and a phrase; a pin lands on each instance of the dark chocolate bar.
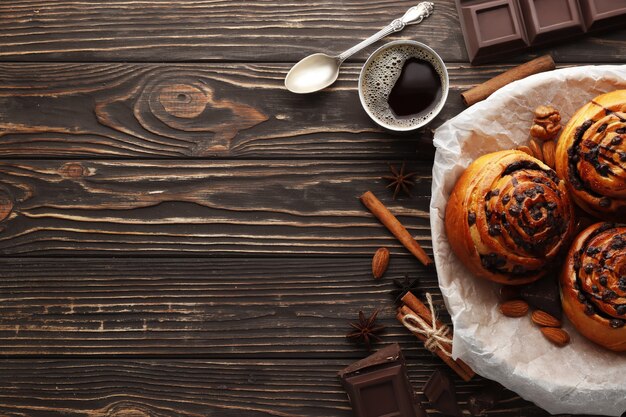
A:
(496, 28)
(603, 14)
(544, 295)
(441, 394)
(378, 386)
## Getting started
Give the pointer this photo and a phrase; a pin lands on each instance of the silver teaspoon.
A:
(318, 71)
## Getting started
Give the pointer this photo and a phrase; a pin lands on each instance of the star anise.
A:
(366, 330)
(401, 181)
(404, 286)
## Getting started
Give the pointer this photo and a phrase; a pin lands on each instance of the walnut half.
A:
(546, 123)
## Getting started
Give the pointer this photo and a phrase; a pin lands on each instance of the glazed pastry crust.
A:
(509, 217)
(592, 312)
(591, 156)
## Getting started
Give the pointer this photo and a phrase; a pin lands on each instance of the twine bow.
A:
(436, 337)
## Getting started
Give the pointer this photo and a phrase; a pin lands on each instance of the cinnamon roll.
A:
(509, 217)
(591, 156)
(593, 285)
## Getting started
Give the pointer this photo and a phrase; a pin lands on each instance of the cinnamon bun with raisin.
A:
(591, 156)
(593, 285)
(509, 217)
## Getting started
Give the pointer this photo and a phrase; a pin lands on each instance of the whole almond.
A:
(557, 336)
(536, 149)
(514, 308)
(543, 319)
(380, 262)
(549, 149)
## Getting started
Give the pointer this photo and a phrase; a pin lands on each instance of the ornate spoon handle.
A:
(412, 16)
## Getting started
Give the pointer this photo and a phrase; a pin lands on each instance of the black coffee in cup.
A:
(416, 91)
(403, 85)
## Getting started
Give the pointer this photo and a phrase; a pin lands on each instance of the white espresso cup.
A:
(379, 75)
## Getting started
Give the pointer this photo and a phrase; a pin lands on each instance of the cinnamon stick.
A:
(484, 90)
(420, 308)
(390, 221)
(414, 304)
(454, 365)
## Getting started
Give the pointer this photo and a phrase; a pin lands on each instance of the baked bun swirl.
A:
(509, 217)
(593, 285)
(591, 156)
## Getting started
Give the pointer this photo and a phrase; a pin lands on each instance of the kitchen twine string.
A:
(435, 336)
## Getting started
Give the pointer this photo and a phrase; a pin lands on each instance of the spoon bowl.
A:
(313, 73)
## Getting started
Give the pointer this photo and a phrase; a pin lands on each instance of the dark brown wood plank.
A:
(223, 307)
(211, 30)
(199, 111)
(202, 208)
(169, 111)
(216, 110)
(206, 30)
(157, 388)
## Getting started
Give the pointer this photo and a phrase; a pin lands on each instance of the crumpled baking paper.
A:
(580, 378)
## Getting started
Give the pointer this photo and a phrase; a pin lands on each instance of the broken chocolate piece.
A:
(486, 399)
(441, 394)
(378, 386)
(509, 292)
(544, 295)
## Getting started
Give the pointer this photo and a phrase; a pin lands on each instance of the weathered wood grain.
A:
(223, 30)
(159, 388)
(223, 307)
(191, 110)
(268, 332)
(211, 30)
(202, 208)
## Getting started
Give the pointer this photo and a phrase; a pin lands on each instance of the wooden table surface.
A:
(179, 234)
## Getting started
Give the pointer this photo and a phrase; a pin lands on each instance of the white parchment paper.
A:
(581, 377)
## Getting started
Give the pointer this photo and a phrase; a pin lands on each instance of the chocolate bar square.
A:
(549, 20)
(603, 14)
(378, 386)
(490, 27)
(381, 394)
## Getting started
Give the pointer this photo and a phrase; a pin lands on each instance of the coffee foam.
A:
(381, 75)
